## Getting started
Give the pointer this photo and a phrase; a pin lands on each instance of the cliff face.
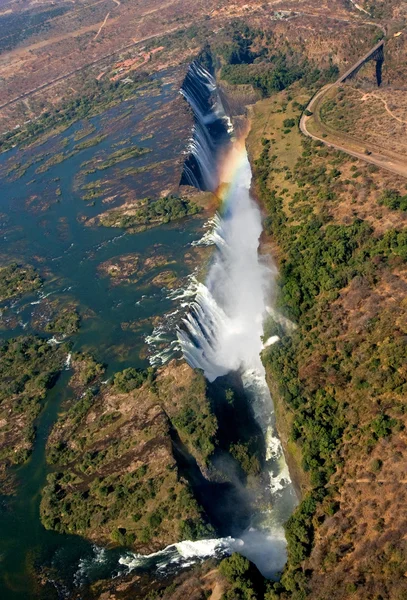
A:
(130, 456)
(117, 478)
(339, 378)
(149, 458)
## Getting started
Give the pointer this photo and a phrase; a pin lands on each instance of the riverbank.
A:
(265, 118)
(339, 401)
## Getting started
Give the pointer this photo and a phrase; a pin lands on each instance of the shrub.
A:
(129, 379)
(376, 465)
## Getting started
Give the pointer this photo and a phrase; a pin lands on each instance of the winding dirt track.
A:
(386, 106)
(394, 163)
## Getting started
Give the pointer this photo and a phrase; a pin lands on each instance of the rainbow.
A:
(230, 167)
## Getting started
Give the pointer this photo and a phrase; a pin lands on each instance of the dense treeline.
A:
(249, 58)
(321, 259)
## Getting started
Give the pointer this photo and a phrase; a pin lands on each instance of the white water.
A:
(254, 545)
(200, 91)
(223, 333)
(224, 328)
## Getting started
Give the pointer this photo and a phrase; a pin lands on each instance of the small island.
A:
(147, 213)
(16, 279)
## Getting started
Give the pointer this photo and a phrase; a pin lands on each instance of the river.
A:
(221, 333)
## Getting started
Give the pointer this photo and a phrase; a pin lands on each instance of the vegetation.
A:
(394, 200)
(130, 379)
(150, 213)
(239, 434)
(340, 385)
(86, 129)
(247, 582)
(347, 112)
(260, 77)
(17, 279)
(15, 25)
(116, 157)
(191, 413)
(248, 461)
(89, 143)
(266, 70)
(106, 486)
(99, 96)
(66, 321)
(28, 367)
(60, 157)
(86, 371)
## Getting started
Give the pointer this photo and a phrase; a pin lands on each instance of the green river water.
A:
(46, 229)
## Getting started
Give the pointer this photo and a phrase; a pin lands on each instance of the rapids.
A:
(223, 329)
(222, 333)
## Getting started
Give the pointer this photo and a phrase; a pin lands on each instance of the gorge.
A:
(219, 329)
(222, 332)
(224, 328)
(203, 287)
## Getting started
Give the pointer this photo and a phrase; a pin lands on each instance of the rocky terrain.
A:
(65, 49)
(116, 476)
(339, 379)
(132, 450)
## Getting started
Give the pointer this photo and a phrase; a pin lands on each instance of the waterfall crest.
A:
(210, 132)
(223, 333)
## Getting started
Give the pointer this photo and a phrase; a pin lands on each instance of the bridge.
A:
(376, 53)
(375, 155)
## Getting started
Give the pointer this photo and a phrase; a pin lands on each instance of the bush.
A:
(248, 584)
(394, 200)
(130, 379)
(382, 426)
(376, 465)
(234, 567)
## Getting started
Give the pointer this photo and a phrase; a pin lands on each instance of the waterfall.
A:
(223, 330)
(210, 132)
(223, 333)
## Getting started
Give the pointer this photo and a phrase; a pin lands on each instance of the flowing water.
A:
(40, 227)
(221, 332)
(210, 132)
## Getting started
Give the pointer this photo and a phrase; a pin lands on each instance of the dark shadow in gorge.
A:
(226, 508)
(379, 71)
(239, 455)
(236, 420)
(210, 134)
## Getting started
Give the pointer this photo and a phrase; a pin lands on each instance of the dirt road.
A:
(368, 153)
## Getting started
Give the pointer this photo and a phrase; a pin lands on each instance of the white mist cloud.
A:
(225, 326)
